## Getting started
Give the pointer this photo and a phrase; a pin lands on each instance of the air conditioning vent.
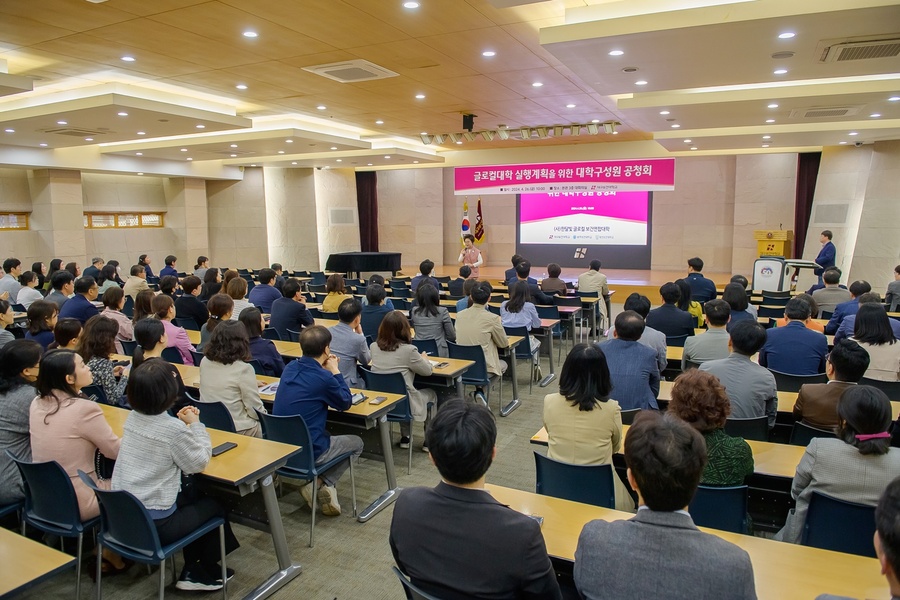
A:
(351, 71)
(862, 50)
(74, 132)
(824, 112)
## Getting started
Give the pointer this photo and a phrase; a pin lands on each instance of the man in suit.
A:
(817, 402)
(80, 306)
(523, 270)
(9, 282)
(892, 296)
(702, 289)
(660, 553)
(456, 285)
(633, 369)
(857, 289)
(794, 349)
(454, 540)
(263, 295)
(827, 254)
(713, 344)
(63, 284)
(187, 306)
(94, 270)
(477, 326)
(509, 276)
(279, 278)
(651, 337)
(668, 318)
(751, 388)
(289, 311)
(848, 323)
(828, 297)
(349, 344)
(424, 276)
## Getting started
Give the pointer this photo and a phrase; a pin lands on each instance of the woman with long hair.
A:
(220, 308)
(212, 284)
(736, 297)
(74, 269)
(431, 320)
(872, 330)
(18, 371)
(41, 321)
(107, 279)
(113, 302)
(261, 349)
(40, 271)
(164, 310)
(143, 305)
(687, 303)
(55, 265)
(98, 342)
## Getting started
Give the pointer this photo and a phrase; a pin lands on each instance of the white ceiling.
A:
(708, 62)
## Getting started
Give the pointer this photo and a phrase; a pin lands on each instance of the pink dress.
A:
(470, 256)
(70, 436)
(178, 338)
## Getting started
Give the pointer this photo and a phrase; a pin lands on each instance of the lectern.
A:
(774, 242)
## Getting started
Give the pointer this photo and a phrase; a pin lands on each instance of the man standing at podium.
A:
(826, 256)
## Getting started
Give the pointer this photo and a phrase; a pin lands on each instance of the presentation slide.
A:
(584, 218)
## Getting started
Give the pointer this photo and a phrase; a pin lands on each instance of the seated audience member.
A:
(6, 319)
(593, 280)
(431, 320)
(12, 267)
(336, 293)
(97, 263)
(348, 343)
(713, 344)
(18, 371)
(144, 261)
(745, 283)
(667, 318)
(519, 311)
(261, 349)
(848, 324)
(28, 293)
(523, 269)
(164, 310)
(476, 547)
(470, 256)
(651, 337)
(856, 467)
(872, 331)
(220, 308)
(751, 388)
(201, 267)
(40, 271)
(842, 310)
(81, 306)
(509, 276)
(150, 336)
(98, 343)
(466, 301)
(225, 377)
(264, 293)
(310, 386)
(237, 289)
(117, 270)
(279, 280)
(289, 311)
(632, 366)
(699, 399)
(187, 306)
(816, 403)
(374, 310)
(424, 276)
(887, 535)
(143, 306)
(456, 285)
(376, 278)
(736, 297)
(810, 323)
(42, 316)
(831, 294)
(108, 278)
(477, 326)
(584, 427)
(703, 289)
(74, 269)
(686, 302)
(892, 296)
(168, 285)
(113, 303)
(212, 284)
(169, 269)
(66, 335)
(63, 286)
(552, 284)
(55, 266)
(794, 349)
(227, 276)
(393, 352)
(157, 450)
(666, 458)
(137, 283)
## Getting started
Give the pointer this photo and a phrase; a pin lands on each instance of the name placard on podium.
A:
(774, 242)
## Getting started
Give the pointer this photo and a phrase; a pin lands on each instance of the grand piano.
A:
(357, 262)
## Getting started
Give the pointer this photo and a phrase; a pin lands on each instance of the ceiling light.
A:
(773, 105)
(410, 5)
(62, 122)
(138, 153)
(10, 131)
(89, 139)
(140, 173)
(281, 152)
(189, 158)
(288, 141)
(786, 35)
(675, 125)
(42, 145)
(853, 133)
(537, 84)
(184, 149)
(641, 82)
(570, 106)
(557, 131)
(233, 146)
(234, 156)
(388, 157)
(842, 143)
(503, 134)
(250, 34)
(379, 122)
(123, 114)
(339, 160)
(765, 145)
(893, 98)
(469, 136)
(128, 58)
(874, 115)
(615, 133)
(664, 112)
(459, 142)
(767, 137)
(489, 53)
(439, 138)
(594, 129)
(575, 129)
(595, 120)
(141, 133)
(241, 86)
(369, 164)
(488, 135)
(454, 137)
(693, 147)
(770, 120)
(334, 147)
(525, 132)
(426, 139)
(415, 162)
(200, 126)
(420, 96)
(687, 141)
(321, 107)
(616, 52)
(294, 163)
(252, 165)
(779, 71)
(608, 127)
(541, 132)
(423, 133)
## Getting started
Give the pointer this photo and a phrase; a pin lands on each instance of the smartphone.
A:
(121, 363)
(221, 448)
(441, 365)
(358, 397)
(377, 400)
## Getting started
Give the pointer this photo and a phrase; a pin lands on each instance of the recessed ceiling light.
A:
(459, 142)
(89, 139)
(140, 173)
(675, 125)
(189, 158)
(253, 165)
(62, 122)
(334, 147)
(184, 149)
(489, 53)
(42, 145)
(770, 120)
(616, 132)
(570, 106)
(200, 126)
(874, 115)
(773, 105)
(616, 52)
(641, 82)
(281, 152)
(370, 164)
(853, 133)
(128, 58)
(288, 141)
(693, 147)
(234, 156)
(786, 35)
(339, 160)
(842, 143)
(415, 162)
(765, 145)
(241, 86)
(250, 34)
(294, 163)
(893, 98)
(420, 96)
(410, 5)
(664, 112)
(767, 137)
(423, 133)
(10, 130)
(321, 107)
(387, 157)
(687, 141)
(123, 114)
(138, 153)
(595, 120)
(233, 146)
(379, 122)
(537, 84)
(142, 133)
(779, 71)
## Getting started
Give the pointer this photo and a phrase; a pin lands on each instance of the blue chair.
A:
(494, 309)
(293, 336)
(755, 428)
(401, 303)
(293, 430)
(891, 388)
(128, 307)
(524, 350)
(588, 484)
(802, 434)
(412, 592)
(128, 347)
(392, 383)
(776, 298)
(95, 392)
(676, 340)
(52, 507)
(316, 287)
(770, 311)
(215, 415)
(629, 415)
(172, 355)
(838, 525)
(552, 312)
(319, 298)
(257, 366)
(186, 323)
(333, 316)
(318, 278)
(785, 382)
(723, 508)
(427, 346)
(127, 529)
(477, 375)
(270, 333)
(401, 293)
(197, 356)
(14, 507)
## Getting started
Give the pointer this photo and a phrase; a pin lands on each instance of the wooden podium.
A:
(774, 242)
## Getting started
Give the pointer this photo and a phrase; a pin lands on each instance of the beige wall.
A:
(335, 189)
(237, 221)
(411, 214)
(291, 218)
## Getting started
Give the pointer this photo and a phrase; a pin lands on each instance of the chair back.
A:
(772, 311)
(257, 366)
(270, 333)
(477, 373)
(494, 309)
(754, 428)
(676, 340)
(316, 287)
(187, 323)
(825, 314)
(197, 356)
(722, 508)
(550, 312)
(802, 434)
(243, 272)
(128, 307)
(776, 298)
(19, 308)
(523, 350)
(891, 388)
(401, 303)
(320, 298)
(838, 525)
(50, 501)
(128, 347)
(689, 364)
(629, 415)
(587, 294)
(411, 591)
(291, 430)
(329, 315)
(427, 346)
(172, 355)
(318, 278)
(398, 284)
(785, 382)
(589, 484)
(215, 416)
(293, 336)
(392, 383)
(401, 292)
(95, 392)
(567, 300)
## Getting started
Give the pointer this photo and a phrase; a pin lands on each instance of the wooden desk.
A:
(675, 353)
(252, 463)
(193, 336)
(448, 376)
(25, 563)
(780, 570)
